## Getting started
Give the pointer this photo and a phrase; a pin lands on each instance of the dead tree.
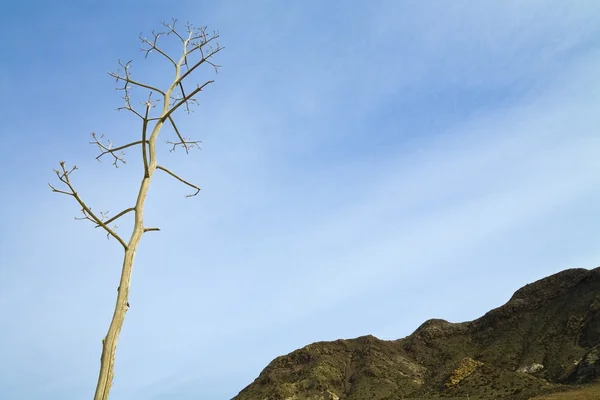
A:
(198, 49)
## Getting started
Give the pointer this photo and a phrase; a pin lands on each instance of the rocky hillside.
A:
(546, 338)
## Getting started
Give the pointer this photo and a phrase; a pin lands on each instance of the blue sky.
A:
(366, 166)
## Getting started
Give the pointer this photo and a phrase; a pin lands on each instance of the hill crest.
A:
(545, 338)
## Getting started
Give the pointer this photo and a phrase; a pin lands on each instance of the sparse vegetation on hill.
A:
(544, 340)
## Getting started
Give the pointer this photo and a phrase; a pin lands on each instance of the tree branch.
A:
(184, 100)
(203, 60)
(128, 106)
(154, 47)
(149, 105)
(112, 151)
(119, 215)
(187, 106)
(127, 78)
(187, 144)
(59, 191)
(181, 180)
(172, 30)
(64, 177)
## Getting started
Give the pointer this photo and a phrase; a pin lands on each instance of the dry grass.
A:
(588, 392)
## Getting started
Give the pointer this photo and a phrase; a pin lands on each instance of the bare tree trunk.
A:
(109, 343)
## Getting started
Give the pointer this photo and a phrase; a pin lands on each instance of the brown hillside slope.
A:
(545, 338)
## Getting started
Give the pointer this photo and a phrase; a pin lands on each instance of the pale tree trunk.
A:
(109, 343)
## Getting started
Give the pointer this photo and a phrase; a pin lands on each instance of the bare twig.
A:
(63, 176)
(152, 46)
(187, 144)
(184, 100)
(149, 105)
(127, 78)
(88, 217)
(112, 150)
(119, 215)
(183, 96)
(181, 180)
(172, 30)
(59, 191)
(205, 58)
(127, 98)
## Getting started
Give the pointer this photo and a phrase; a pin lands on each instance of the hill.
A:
(545, 339)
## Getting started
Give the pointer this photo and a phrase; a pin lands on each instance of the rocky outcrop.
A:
(587, 369)
(466, 368)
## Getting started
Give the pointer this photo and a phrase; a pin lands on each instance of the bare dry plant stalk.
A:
(198, 48)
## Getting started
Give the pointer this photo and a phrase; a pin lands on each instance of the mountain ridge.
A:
(545, 338)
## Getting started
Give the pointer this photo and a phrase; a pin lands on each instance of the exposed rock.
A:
(530, 369)
(588, 368)
(466, 368)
